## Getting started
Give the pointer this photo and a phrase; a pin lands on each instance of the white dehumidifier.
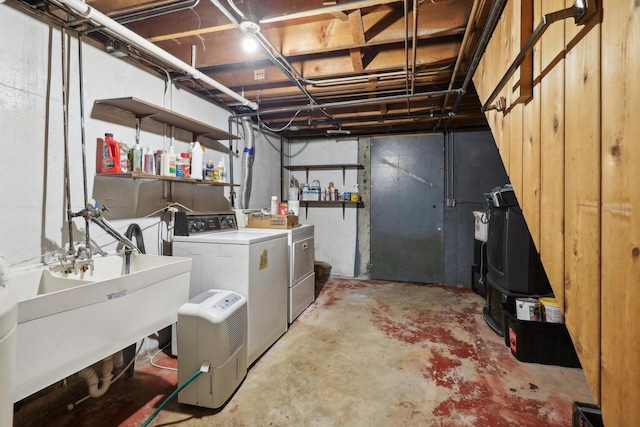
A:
(212, 329)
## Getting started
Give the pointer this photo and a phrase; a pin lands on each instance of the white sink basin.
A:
(67, 322)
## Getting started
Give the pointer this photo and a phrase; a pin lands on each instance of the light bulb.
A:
(249, 44)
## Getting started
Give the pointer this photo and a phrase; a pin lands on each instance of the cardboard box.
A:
(272, 221)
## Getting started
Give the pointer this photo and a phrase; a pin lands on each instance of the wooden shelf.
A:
(138, 175)
(205, 134)
(307, 168)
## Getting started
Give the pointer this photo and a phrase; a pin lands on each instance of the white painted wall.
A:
(335, 237)
(33, 212)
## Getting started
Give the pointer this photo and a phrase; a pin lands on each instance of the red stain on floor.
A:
(483, 400)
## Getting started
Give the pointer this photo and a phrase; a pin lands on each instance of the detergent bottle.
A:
(108, 155)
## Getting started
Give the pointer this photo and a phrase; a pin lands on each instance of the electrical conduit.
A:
(94, 15)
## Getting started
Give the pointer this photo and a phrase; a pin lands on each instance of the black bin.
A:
(586, 415)
(539, 342)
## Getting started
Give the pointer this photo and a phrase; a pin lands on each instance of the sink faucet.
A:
(94, 213)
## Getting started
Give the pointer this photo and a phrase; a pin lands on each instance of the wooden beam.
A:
(336, 66)
(357, 27)
(434, 20)
(356, 60)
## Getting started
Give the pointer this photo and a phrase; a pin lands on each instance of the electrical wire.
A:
(168, 368)
(282, 128)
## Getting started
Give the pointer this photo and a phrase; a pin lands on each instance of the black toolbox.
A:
(539, 342)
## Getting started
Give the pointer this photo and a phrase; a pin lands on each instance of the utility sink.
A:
(68, 321)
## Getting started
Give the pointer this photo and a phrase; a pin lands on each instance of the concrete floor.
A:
(366, 353)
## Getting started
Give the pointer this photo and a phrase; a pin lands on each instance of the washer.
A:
(252, 264)
(301, 276)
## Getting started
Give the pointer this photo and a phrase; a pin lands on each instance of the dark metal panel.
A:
(477, 168)
(407, 194)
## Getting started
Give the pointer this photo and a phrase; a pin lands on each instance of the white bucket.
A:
(528, 309)
(294, 193)
(551, 310)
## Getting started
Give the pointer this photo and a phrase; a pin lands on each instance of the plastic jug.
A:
(108, 155)
(195, 149)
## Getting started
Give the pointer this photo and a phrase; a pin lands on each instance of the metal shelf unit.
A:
(307, 168)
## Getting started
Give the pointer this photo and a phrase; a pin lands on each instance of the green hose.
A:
(171, 396)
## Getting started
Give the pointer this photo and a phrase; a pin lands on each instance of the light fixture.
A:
(250, 28)
(338, 131)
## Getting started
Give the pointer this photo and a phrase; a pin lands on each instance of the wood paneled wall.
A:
(572, 152)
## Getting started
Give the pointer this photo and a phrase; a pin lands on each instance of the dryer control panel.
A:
(190, 223)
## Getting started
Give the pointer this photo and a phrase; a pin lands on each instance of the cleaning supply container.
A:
(195, 150)
(108, 155)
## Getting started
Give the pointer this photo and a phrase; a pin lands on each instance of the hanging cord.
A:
(168, 368)
(204, 368)
(262, 123)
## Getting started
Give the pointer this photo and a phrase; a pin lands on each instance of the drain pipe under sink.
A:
(98, 387)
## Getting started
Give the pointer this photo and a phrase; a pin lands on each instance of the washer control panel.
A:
(190, 223)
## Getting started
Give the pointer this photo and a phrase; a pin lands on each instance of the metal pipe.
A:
(290, 71)
(405, 12)
(274, 54)
(463, 45)
(310, 107)
(65, 136)
(238, 11)
(232, 192)
(144, 11)
(415, 46)
(83, 141)
(494, 14)
(135, 39)
(577, 11)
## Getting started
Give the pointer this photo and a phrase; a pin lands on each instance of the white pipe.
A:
(93, 14)
(98, 387)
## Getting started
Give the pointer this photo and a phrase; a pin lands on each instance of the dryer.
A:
(252, 264)
(301, 274)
